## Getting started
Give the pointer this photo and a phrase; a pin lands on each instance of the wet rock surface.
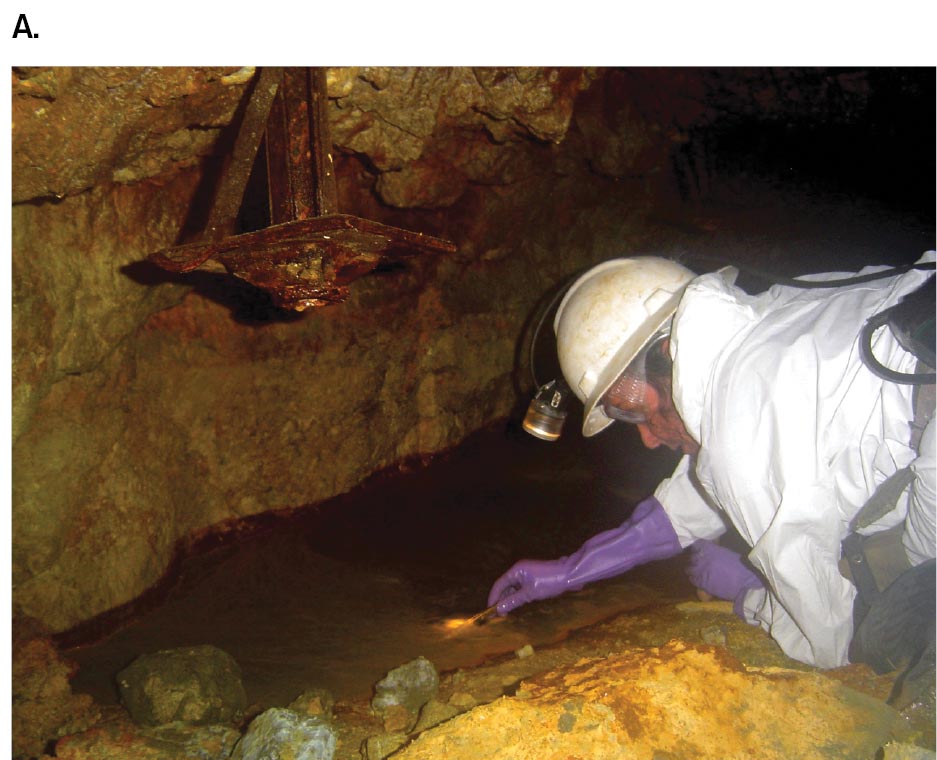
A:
(642, 684)
(316, 702)
(119, 739)
(279, 734)
(401, 694)
(899, 751)
(197, 685)
(379, 747)
(678, 701)
(44, 707)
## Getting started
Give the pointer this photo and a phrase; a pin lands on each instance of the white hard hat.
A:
(606, 317)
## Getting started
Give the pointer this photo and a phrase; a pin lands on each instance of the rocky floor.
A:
(675, 680)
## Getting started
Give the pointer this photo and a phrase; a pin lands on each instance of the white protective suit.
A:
(795, 434)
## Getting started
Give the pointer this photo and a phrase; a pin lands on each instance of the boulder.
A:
(197, 685)
(281, 734)
(401, 694)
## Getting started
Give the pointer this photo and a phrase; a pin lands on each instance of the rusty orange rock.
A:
(674, 701)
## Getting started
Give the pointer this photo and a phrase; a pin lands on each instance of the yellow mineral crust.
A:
(676, 701)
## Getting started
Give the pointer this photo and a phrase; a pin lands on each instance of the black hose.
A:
(796, 282)
(561, 291)
(870, 361)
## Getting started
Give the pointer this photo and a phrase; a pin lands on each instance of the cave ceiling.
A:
(421, 135)
(75, 128)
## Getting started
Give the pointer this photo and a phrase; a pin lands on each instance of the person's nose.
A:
(650, 440)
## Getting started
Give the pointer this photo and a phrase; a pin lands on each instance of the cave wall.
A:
(149, 408)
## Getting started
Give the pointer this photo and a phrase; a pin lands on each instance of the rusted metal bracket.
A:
(299, 149)
(310, 253)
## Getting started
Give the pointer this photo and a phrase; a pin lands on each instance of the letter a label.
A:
(22, 27)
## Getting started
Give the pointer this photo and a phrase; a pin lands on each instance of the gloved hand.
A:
(722, 573)
(645, 536)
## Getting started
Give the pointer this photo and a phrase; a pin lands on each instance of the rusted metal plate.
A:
(307, 262)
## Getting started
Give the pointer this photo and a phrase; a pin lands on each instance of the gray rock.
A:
(435, 712)
(196, 685)
(380, 746)
(462, 701)
(899, 751)
(281, 734)
(410, 686)
(714, 635)
(314, 702)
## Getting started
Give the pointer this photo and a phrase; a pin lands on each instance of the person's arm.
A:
(645, 536)
(689, 510)
(722, 573)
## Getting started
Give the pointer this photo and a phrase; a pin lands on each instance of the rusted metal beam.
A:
(299, 149)
(323, 164)
(310, 253)
(230, 193)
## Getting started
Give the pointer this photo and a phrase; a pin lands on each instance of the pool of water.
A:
(335, 595)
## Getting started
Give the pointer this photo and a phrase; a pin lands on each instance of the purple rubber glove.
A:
(645, 536)
(721, 573)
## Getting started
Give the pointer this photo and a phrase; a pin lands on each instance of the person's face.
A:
(664, 426)
(656, 419)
